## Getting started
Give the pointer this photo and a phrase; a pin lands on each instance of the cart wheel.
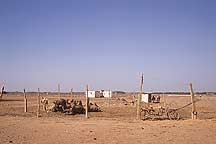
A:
(173, 115)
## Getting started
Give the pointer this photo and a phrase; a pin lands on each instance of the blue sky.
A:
(108, 44)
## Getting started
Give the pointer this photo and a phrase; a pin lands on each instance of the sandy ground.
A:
(116, 124)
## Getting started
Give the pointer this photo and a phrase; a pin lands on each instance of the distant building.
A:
(99, 94)
(94, 94)
(107, 94)
(146, 97)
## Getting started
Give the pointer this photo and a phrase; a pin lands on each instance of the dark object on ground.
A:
(60, 105)
(94, 108)
(73, 107)
(159, 112)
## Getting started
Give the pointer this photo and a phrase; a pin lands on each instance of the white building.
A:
(146, 97)
(98, 94)
(107, 94)
(94, 94)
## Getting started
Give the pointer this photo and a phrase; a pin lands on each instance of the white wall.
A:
(91, 94)
(107, 94)
(145, 98)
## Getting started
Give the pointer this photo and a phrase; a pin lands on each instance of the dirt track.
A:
(116, 124)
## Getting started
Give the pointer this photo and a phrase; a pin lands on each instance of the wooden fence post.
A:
(38, 103)
(2, 92)
(194, 112)
(25, 101)
(139, 100)
(87, 102)
(59, 93)
(164, 98)
(71, 93)
(109, 99)
(134, 98)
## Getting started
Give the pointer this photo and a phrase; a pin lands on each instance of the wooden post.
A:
(25, 101)
(71, 93)
(164, 97)
(139, 100)
(109, 99)
(87, 102)
(194, 112)
(59, 93)
(38, 103)
(134, 99)
(2, 92)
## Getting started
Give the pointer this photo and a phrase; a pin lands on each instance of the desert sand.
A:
(116, 124)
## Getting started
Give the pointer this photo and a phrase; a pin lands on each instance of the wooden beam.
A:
(164, 99)
(38, 103)
(59, 93)
(25, 101)
(71, 93)
(193, 112)
(109, 99)
(2, 92)
(87, 102)
(139, 99)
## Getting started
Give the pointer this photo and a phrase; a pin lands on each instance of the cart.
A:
(160, 112)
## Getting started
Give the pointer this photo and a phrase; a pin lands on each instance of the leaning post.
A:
(194, 112)
(139, 100)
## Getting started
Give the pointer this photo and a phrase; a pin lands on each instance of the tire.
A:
(173, 115)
